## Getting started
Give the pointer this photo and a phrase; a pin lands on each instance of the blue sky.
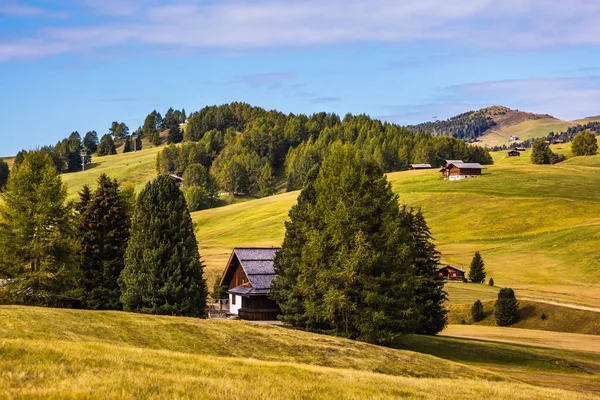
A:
(70, 65)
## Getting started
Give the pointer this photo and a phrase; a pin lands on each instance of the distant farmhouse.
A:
(514, 138)
(513, 153)
(248, 274)
(455, 170)
(420, 166)
(452, 273)
(520, 149)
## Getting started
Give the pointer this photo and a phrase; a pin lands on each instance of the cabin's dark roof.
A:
(258, 266)
(452, 266)
(463, 165)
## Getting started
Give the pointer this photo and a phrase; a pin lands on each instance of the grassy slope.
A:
(536, 226)
(558, 319)
(530, 129)
(129, 168)
(67, 353)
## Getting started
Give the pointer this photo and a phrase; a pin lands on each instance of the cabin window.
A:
(233, 299)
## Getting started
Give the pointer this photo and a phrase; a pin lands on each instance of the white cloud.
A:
(564, 98)
(269, 24)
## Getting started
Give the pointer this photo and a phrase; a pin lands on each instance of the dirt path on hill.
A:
(556, 303)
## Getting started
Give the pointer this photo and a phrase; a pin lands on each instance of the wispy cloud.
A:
(269, 24)
(271, 80)
(565, 98)
(15, 9)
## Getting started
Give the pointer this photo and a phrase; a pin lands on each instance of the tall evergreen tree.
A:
(36, 246)
(506, 307)
(477, 311)
(106, 146)
(430, 294)
(85, 196)
(163, 273)
(477, 271)
(103, 235)
(175, 134)
(4, 173)
(355, 273)
(285, 289)
(90, 142)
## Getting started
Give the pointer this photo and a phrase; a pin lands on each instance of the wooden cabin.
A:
(420, 166)
(520, 149)
(513, 153)
(248, 274)
(452, 273)
(456, 170)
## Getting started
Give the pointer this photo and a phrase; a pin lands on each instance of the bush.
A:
(477, 311)
(198, 199)
(505, 309)
(584, 144)
(491, 282)
(544, 317)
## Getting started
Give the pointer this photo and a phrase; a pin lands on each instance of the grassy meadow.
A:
(79, 354)
(537, 226)
(533, 315)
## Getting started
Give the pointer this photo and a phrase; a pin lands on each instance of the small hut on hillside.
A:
(452, 273)
(248, 274)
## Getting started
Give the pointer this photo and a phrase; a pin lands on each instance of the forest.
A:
(244, 150)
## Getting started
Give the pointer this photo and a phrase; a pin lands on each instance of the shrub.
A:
(491, 282)
(477, 311)
(505, 309)
(544, 316)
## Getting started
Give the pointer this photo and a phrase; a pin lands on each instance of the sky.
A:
(78, 65)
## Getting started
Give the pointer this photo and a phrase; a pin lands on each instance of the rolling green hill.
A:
(537, 226)
(54, 353)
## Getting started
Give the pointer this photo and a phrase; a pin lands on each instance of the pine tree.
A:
(477, 270)
(430, 294)
(128, 145)
(103, 234)
(354, 275)
(266, 182)
(477, 311)
(491, 282)
(288, 260)
(163, 273)
(505, 309)
(106, 146)
(175, 134)
(4, 173)
(85, 196)
(36, 246)
(90, 142)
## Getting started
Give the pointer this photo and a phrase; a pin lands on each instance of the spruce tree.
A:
(477, 311)
(85, 195)
(36, 245)
(491, 282)
(505, 309)
(163, 273)
(103, 234)
(4, 173)
(288, 260)
(477, 271)
(106, 146)
(430, 294)
(175, 134)
(354, 275)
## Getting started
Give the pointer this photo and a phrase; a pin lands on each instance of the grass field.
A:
(533, 315)
(80, 354)
(537, 226)
(530, 129)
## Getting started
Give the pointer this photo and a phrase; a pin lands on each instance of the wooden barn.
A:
(513, 153)
(452, 273)
(454, 170)
(248, 275)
